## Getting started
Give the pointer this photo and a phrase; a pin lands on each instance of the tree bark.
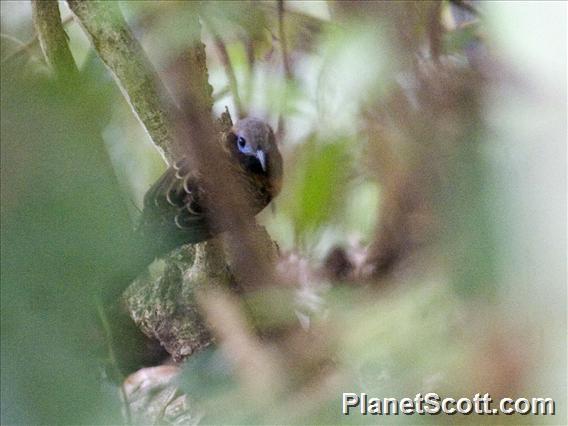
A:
(53, 38)
(133, 72)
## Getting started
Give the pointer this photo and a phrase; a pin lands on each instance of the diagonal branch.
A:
(53, 38)
(132, 70)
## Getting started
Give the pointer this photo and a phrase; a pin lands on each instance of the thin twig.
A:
(249, 45)
(26, 46)
(435, 31)
(12, 39)
(299, 16)
(221, 93)
(283, 43)
(229, 70)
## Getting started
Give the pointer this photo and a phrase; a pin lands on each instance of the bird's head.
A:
(254, 145)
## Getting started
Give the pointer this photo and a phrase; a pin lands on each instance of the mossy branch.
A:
(52, 38)
(132, 70)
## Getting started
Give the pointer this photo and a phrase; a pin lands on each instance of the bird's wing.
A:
(174, 207)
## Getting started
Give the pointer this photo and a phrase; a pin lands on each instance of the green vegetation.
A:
(421, 228)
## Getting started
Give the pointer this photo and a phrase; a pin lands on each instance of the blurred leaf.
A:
(319, 183)
(460, 39)
(207, 372)
(362, 208)
(65, 239)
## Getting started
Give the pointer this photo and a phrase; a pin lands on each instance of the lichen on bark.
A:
(133, 72)
(53, 38)
(162, 302)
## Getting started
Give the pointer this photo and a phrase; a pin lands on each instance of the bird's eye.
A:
(241, 141)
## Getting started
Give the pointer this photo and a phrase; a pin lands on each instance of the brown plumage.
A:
(175, 207)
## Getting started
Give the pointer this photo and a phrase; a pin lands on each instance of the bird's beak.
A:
(261, 158)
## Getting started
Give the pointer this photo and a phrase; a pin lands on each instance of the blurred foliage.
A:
(321, 183)
(483, 309)
(62, 237)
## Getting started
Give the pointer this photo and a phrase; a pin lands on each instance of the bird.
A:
(176, 212)
(175, 208)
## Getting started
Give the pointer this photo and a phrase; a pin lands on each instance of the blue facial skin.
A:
(243, 146)
(255, 161)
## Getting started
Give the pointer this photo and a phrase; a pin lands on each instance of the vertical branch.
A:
(435, 31)
(133, 72)
(229, 70)
(281, 130)
(52, 38)
(283, 42)
(249, 44)
(197, 98)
